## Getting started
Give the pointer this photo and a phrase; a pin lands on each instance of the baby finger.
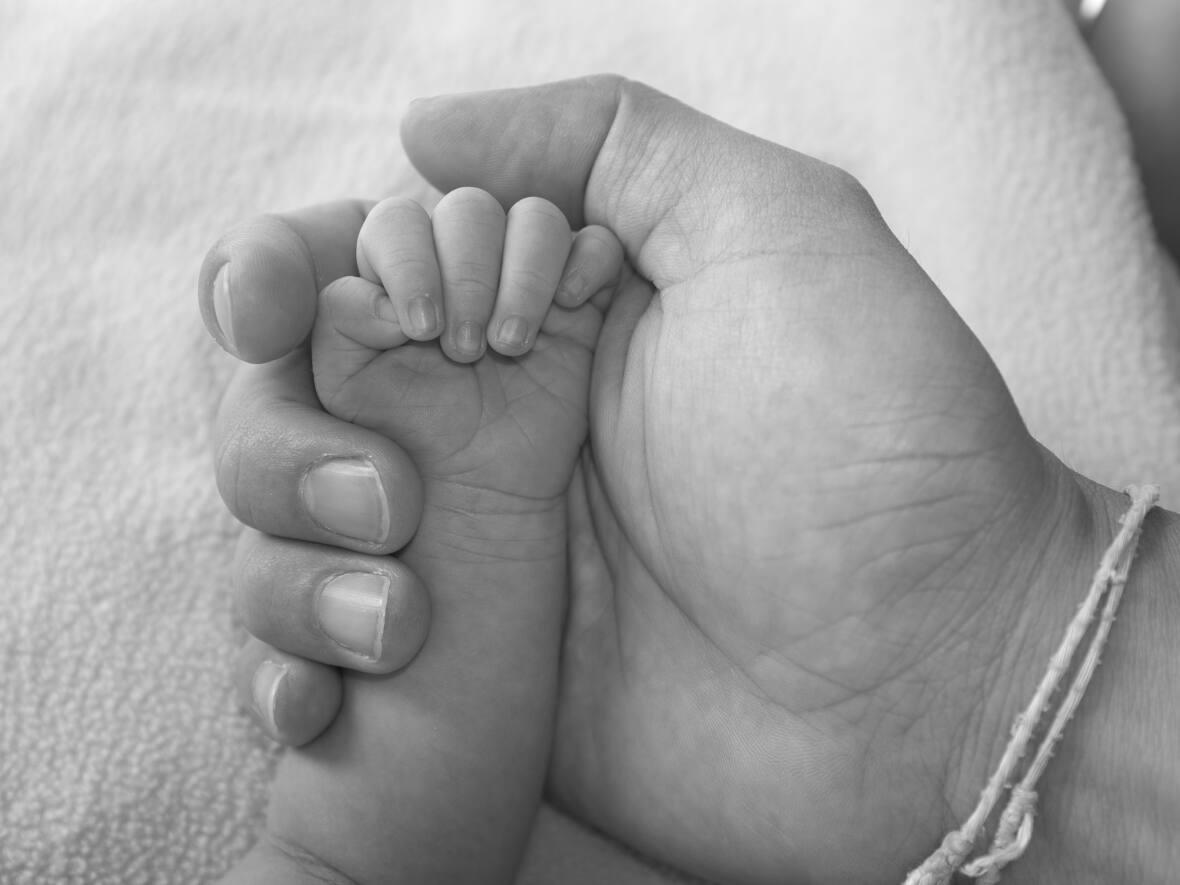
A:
(536, 244)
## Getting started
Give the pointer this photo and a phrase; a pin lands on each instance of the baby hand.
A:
(477, 277)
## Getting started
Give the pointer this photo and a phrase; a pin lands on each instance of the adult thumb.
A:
(680, 189)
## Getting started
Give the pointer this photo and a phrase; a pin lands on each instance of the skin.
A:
(816, 558)
(495, 439)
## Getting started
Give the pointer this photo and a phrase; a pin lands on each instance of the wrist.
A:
(1108, 800)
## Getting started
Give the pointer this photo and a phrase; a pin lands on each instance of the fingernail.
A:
(423, 317)
(345, 496)
(265, 690)
(573, 287)
(222, 306)
(514, 332)
(469, 338)
(351, 610)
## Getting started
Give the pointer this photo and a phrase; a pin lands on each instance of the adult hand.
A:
(303, 481)
(809, 520)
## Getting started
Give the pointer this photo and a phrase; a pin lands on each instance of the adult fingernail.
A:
(345, 496)
(513, 332)
(423, 316)
(222, 305)
(268, 678)
(351, 610)
(469, 338)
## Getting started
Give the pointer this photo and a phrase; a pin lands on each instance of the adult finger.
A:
(361, 612)
(293, 700)
(680, 189)
(286, 467)
(258, 284)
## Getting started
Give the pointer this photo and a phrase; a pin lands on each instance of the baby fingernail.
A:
(345, 496)
(222, 306)
(265, 692)
(469, 338)
(423, 317)
(351, 610)
(513, 333)
(573, 288)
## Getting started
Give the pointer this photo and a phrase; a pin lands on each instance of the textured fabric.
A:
(136, 131)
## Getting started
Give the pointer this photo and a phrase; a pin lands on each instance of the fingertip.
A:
(257, 290)
(372, 501)
(407, 619)
(468, 228)
(369, 614)
(395, 250)
(540, 206)
(595, 263)
(513, 337)
(293, 700)
(465, 341)
(353, 312)
(422, 316)
(309, 702)
(536, 244)
(608, 249)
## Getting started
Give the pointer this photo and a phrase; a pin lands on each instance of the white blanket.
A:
(136, 131)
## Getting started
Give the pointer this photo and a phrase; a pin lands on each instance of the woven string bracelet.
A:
(1014, 829)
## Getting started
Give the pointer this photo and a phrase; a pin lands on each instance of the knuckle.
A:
(334, 295)
(601, 251)
(249, 572)
(598, 236)
(398, 210)
(400, 265)
(471, 278)
(405, 267)
(227, 468)
(251, 584)
(348, 296)
(394, 239)
(307, 863)
(847, 192)
(469, 199)
(540, 207)
(529, 284)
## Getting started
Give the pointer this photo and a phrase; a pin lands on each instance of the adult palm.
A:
(786, 527)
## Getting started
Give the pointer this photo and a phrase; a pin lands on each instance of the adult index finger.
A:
(259, 283)
(286, 467)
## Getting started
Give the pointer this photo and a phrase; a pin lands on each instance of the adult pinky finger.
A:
(292, 699)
